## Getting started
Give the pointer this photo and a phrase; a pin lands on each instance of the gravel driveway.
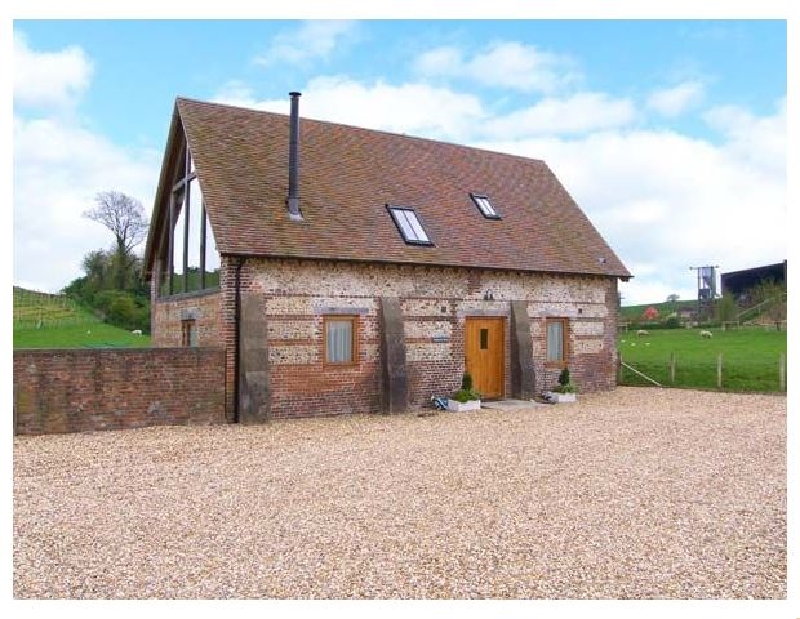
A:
(639, 493)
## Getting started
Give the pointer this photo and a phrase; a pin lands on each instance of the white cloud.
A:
(672, 102)
(49, 79)
(444, 60)
(409, 108)
(579, 113)
(508, 64)
(438, 112)
(311, 40)
(759, 140)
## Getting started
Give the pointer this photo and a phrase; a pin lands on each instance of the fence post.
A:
(719, 371)
(672, 368)
(782, 371)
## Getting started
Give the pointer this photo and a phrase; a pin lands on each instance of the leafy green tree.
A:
(773, 296)
(726, 308)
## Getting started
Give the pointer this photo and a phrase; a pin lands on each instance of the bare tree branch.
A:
(122, 215)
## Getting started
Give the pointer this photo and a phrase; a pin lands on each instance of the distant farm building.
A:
(739, 282)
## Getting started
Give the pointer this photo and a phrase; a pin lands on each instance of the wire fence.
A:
(756, 375)
(39, 310)
(48, 322)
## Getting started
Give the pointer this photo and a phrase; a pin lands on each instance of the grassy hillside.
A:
(44, 320)
(750, 358)
(631, 312)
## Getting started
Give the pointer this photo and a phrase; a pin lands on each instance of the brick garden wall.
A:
(80, 390)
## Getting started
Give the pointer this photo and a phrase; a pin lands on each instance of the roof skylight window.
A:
(410, 227)
(485, 207)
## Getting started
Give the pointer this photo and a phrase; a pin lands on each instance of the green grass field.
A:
(750, 358)
(52, 321)
(86, 335)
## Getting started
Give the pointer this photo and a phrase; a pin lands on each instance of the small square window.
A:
(484, 206)
(556, 341)
(188, 333)
(340, 339)
(407, 221)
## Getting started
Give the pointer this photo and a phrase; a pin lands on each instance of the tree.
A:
(772, 296)
(726, 308)
(651, 313)
(124, 217)
(97, 266)
(673, 298)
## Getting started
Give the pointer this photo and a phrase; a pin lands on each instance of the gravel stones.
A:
(638, 493)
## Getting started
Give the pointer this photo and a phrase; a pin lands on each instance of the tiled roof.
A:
(347, 177)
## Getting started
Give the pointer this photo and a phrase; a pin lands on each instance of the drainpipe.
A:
(237, 317)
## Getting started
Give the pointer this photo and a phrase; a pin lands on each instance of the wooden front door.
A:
(485, 351)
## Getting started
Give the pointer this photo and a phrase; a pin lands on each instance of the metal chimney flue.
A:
(293, 200)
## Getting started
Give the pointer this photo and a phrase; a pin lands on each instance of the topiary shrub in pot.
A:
(465, 399)
(566, 389)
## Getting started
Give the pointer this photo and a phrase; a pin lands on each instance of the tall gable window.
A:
(484, 206)
(410, 227)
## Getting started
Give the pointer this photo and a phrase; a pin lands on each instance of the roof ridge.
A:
(359, 128)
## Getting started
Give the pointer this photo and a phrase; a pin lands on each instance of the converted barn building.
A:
(364, 271)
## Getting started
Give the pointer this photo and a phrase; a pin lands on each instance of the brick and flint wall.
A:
(296, 295)
(81, 390)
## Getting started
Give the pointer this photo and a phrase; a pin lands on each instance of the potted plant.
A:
(465, 399)
(566, 389)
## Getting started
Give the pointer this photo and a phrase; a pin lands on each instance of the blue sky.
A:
(671, 135)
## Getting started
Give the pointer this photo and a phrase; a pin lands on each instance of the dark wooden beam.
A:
(161, 253)
(186, 223)
(202, 244)
(171, 254)
(185, 180)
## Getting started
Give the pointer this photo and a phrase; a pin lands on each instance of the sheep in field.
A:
(705, 333)
(642, 332)
(136, 332)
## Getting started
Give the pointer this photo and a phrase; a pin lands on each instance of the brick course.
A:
(83, 390)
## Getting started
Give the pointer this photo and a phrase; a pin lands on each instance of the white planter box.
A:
(469, 405)
(561, 397)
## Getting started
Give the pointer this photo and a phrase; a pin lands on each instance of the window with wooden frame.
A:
(188, 333)
(340, 336)
(557, 330)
